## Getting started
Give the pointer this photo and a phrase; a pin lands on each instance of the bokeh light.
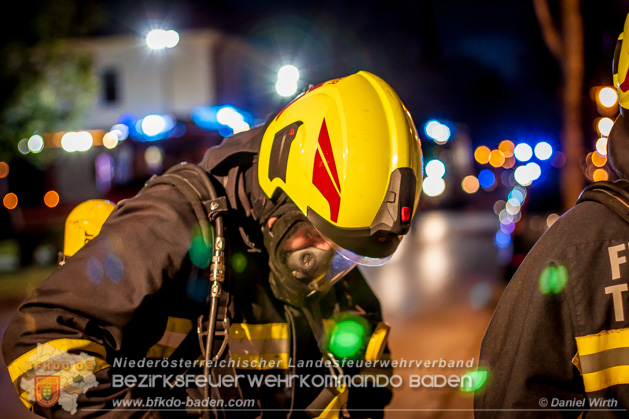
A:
(509, 163)
(505, 217)
(114, 269)
(22, 146)
(598, 160)
(110, 140)
(347, 338)
(230, 117)
(518, 194)
(200, 253)
(600, 175)
(543, 150)
(154, 157)
(94, 269)
(153, 125)
(435, 168)
(77, 141)
(522, 176)
(534, 170)
(104, 165)
(35, 143)
(523, 152)
(512, 206)
(601, 146)
(496, 158)
(507, 147)
(551, 219)
(525, 175)
(4, 169)
(473, 381)
(51, 199)
(502, 239)
(553, 279)
(10, 201)
(433, 186)
(239, 262)
(486, 178)
(440, 133)
(507, 228)
(122, 130)
(481, 154)
(604, 126)
(607, 97)
(499, 205)
(470, 184)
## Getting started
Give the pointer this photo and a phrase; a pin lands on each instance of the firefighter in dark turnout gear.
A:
(330, 182)
(558, 343)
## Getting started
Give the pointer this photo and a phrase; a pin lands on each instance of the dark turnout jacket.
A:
(558, 343)
(134, 293)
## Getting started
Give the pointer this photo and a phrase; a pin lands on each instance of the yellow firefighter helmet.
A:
(346, 152)
(621, 68)
(84, 223)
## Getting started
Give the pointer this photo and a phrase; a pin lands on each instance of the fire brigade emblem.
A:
(47, 389)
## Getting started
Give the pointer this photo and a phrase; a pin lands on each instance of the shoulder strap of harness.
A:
(194, 183)
(614, 195)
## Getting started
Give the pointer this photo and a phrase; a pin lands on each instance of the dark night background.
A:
(482, 65)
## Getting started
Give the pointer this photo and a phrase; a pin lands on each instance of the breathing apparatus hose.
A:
(217, 277)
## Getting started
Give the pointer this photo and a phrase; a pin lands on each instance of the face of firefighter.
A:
(303, 264)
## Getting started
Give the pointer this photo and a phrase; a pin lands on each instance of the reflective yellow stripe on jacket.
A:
(260, 346)
(604, 359)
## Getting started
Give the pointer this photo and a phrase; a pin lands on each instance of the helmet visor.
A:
(309, 258)
(356, 258)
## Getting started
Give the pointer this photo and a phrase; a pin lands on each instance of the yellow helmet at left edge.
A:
(621, 68)
(618, 138)
(84, 223)
(346, 152)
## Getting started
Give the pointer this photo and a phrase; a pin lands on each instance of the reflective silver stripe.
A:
(603, 360)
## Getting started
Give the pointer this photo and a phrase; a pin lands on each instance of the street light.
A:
(287, 78)
(160, 39)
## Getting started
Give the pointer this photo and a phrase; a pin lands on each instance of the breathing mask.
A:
(304, 265)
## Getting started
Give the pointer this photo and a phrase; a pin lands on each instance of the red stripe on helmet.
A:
(625, 84)
(326, 148)
(322, 181)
